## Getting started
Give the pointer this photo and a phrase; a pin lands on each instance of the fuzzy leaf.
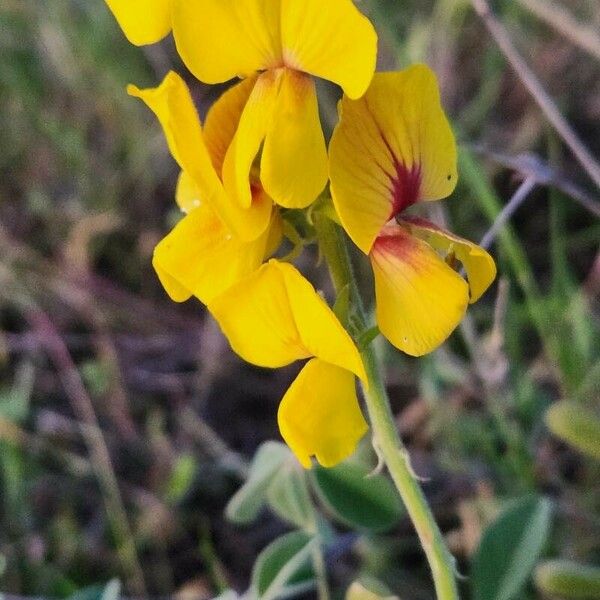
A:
(357, 499)
(250, 498)
(509, 549)
(288, 495)
(569, 580)
(576, 425)
(283, 563)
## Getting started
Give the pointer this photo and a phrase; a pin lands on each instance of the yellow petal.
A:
(275, 234)
(420, 299)
(275, 316)
(479, 265)
(173, 105)
(391, 148)
(252, 128)
(222, 39)
(187, 194)
(202, 256)
(294, 159)
(320, 416)
(332, 40)
(223, 118)
(175, 291)
(142, 21)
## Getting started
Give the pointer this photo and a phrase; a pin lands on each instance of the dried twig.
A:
(507, 212)
(99, 454)
(533, 166)
(535, 88)
(561, 19)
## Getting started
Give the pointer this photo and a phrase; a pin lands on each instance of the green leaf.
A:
(568, 579)
(576, 425)
(359, 591)
(356, 498)
(289, 497)
(283, 564)
(110, 591)
(250, 498)
(368, 336)
(509, 549)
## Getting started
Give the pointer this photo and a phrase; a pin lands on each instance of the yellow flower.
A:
(393, 148)
(217, 242)
(142, 21)
(284, 40)
(274, 317)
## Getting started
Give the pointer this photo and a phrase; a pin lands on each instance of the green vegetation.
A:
(127, 425)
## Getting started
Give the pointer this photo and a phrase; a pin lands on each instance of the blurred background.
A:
(126, 423)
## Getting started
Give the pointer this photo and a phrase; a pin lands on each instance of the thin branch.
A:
(535, 88)
(531, 165)
(561, 19)
(507, 212)
(92, 434)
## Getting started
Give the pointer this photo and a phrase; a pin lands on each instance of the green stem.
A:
(386, 440)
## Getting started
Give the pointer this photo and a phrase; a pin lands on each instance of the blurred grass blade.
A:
(285, 562)
(509, 549)
(576, 425)
(251, 497)
(567, 579)
(14, 402)
(357, 499)
(182, 477)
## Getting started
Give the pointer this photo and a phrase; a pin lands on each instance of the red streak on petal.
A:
(394, 243)
(256, 190)
(406, 183)
(406, 187)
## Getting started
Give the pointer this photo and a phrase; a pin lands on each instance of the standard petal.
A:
(142, 21)
(275, 316)
(332, 40)
(479, 265)
(223, 118)
(320, 416)
(252, 128)
(419, 298)
(293, 167)
(202, 256)
(222, 39)
(391, 148)
(173, 105)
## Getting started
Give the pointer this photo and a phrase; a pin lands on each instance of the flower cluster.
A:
(261, 152)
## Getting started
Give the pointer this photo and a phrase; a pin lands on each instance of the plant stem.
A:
(386, 439)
